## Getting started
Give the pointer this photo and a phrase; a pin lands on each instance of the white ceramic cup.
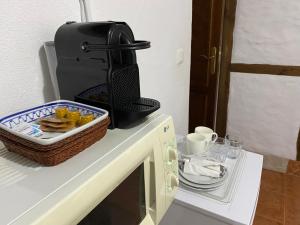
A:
(196, 144)
(210, 135)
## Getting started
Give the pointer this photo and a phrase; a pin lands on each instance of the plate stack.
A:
(201, 182)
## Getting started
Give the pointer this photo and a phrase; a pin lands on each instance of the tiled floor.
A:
(279, 199)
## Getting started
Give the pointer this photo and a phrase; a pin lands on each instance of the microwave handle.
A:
(153, 213)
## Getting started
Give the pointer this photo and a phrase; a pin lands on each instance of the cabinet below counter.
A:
(192, 209)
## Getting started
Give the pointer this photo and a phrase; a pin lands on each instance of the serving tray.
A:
(32, 115)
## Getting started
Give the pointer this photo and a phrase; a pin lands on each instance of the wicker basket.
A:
(58, 152)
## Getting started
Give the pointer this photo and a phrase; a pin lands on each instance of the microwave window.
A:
(125, 205)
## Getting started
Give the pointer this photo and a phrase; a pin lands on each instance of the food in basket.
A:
(70, 120)
(26, 123)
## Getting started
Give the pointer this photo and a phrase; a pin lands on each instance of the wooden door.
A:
(205, 61)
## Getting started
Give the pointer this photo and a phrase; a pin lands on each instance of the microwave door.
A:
(124, 205)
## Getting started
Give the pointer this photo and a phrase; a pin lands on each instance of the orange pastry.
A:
(74, 116)
(84, 119)
(61, 112)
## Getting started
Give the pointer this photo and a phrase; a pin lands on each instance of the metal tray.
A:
(225, 192)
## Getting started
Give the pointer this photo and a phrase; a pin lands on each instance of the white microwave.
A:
(130, 177)
(144, 180)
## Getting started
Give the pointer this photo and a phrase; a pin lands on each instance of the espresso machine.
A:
(96, 65)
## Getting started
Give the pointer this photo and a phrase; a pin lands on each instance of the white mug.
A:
(210, 135)
(196, 144)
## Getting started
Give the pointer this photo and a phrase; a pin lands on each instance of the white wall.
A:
(25, 25)
(264, 109)
(167, 24)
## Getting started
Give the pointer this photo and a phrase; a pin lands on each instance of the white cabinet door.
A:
(179, 215)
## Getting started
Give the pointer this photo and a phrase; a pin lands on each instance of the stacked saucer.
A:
(203, 182)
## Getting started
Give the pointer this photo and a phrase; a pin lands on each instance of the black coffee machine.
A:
(96, 65)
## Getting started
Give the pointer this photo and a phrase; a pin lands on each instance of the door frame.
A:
(224, 74)
(210, 54)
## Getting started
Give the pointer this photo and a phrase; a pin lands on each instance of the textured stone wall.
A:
(264, 110)
(267, 32)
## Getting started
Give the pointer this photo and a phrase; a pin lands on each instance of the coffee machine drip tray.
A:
(127, 111)
(140, 105)
(135, 110)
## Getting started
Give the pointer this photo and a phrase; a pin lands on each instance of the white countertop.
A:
(28, 190)
(243, 204)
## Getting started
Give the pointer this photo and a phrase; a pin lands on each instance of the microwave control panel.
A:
(170, 157)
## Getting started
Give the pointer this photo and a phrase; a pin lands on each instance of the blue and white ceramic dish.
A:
(32, 115)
